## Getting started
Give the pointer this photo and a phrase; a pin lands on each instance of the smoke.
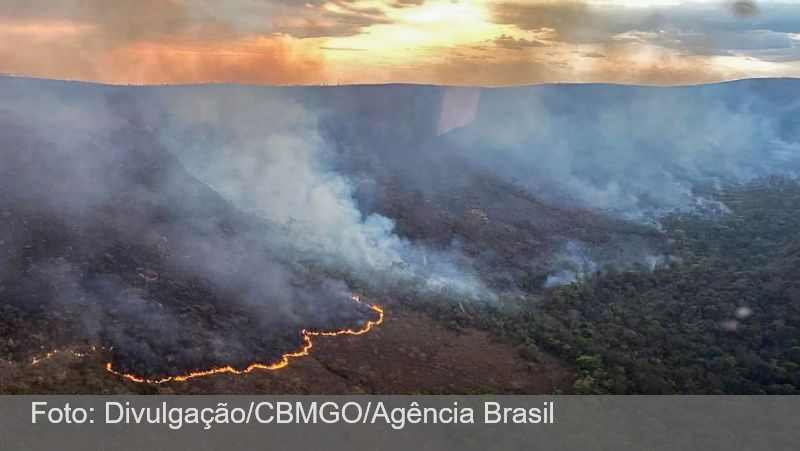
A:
(636, 152)
(194, 226)
(549, 165)
(189, 228)
(265, 154)
(574, 265)
(107, 236)
(577, 261)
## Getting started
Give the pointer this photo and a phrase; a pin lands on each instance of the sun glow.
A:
(420, 32)
(463, 13)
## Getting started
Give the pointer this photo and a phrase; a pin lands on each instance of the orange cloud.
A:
(269, 60)
(152, 42)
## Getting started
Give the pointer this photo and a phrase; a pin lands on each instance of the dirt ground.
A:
(409, 353)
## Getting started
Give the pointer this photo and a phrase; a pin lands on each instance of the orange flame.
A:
(282, 362)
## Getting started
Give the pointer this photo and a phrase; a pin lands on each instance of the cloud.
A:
(118, 21)
(271, 60)
(632, 63)
(406, 3)
(509, 42)
(51, 50)
(148, 42)
(333, 19)
(571, 21)
(675, 44)
(283, 41)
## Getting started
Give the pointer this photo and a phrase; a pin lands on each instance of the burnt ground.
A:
(409, 353)
(125, 271)
(51, 259)
(123, 280)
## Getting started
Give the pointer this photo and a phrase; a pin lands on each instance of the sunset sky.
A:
(461, 42)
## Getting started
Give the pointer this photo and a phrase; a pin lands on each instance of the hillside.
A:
(586, 238)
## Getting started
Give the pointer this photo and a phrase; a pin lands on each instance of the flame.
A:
(282, 362)
(75, 353)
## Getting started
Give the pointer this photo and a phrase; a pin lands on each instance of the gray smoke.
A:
(576, 261)
(637, 152)
(265, 154)
(104, 229)
(258, 148)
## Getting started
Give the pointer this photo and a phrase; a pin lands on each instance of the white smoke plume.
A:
(264, 153)
(577, 261)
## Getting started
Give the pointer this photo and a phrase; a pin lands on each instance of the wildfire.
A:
(282, 362)
(75, 353)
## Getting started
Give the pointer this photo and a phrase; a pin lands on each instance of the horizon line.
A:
(378, 84)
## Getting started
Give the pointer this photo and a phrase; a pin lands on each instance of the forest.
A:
(722, 318)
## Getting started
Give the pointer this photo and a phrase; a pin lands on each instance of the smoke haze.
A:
(188, 227)
(638, 152)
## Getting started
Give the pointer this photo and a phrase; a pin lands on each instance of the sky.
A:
(452, 42)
